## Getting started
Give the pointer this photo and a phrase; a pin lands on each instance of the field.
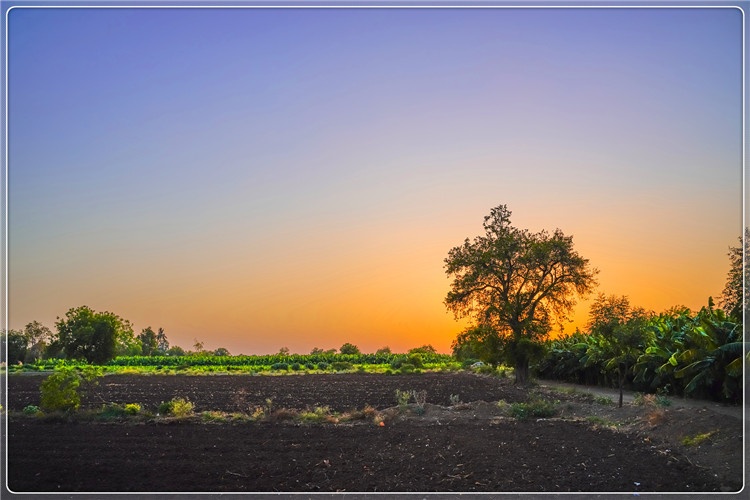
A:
(461, 439)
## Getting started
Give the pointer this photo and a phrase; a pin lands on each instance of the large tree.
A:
(94, 336)
(516, 282)
(733, 297)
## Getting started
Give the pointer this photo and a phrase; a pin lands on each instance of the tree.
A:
(478, 342)
(516, 282)
(221, 351)
(732, 298)
(425, 349)
(39, 338)
(147, 337)
(162, 344)
(383, 350)
(93, 336)
(17, 344)
(619, 336)
(349, 349)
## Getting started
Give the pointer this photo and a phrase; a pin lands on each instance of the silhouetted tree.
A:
(732, 300)
(93, 336)
(516, 282)
(349, 349)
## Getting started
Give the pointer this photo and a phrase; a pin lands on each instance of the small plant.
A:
(177, 407)
(402, 398)
(603, 400)
(319, 414)
(454, 399)
(600, 421)
(213, 416)
(31, 410)
(279, 366)
(62, 389)
(503, 406)
(697, 439)
(323, 365)
(538, 408)
(310, 366)
(406, 368)
(341, 366)
(420, 398)
(296, 367)
(132, 409)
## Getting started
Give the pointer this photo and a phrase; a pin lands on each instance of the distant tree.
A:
(383, 350)
(176, 350)
(618, 333)
(284, 351)
(349, 349)
(162, 344)
(17, 344)
(197, 346)
(732, 298)
(479, 342)
(517, 283)
(425, 349)
(39, 337)
(93, 336)
(316, 350)
(330, 351)
(147, 337)
(221, 352)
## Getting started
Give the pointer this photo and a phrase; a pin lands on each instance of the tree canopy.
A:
(516, 282)
(94, 336)
(732, 298)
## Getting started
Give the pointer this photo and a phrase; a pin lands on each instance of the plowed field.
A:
(469, 447)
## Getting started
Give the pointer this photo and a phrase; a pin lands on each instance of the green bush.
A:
(61, 390)
(341, 366)
(323, 365)
(177, 407)
(296, 367)
(280, 366)
(310, 366)
(415, 360)
(538, 408)
(31, 410)
(132, 408)
(406, 368)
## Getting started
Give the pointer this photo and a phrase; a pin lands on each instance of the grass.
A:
(698, 438)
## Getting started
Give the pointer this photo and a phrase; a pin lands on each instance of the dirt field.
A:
(588, 447)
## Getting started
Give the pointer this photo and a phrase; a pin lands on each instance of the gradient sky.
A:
(259, 178)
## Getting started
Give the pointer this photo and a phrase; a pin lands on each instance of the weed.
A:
(282, 414)
(402, 398)
(454, 399)
(177, 407)
(538, 408)
(697, 439)
(213, 416)
(420, 398)
(503, 406)
(319, 414)
(600, 421)
(656, 417)
(132, 409)
(603, 400)
(31, 410)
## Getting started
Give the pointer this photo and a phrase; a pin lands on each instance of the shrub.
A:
(61, 390)
(296, 367)
(279, 366)
(416, 360)
(177, 407)
(406, 368)
(538, 408)
(111, 411)
(604, 400)
(402, 398)
(340, 366)
(697, 439)
(31, 410)
(323, 365)
(310, 366)
(396, 363)
(132, 409)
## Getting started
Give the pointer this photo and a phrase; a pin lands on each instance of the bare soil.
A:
(469, 447)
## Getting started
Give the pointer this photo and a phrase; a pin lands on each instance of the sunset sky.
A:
(259, 178)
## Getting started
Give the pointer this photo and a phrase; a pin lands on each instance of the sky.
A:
(264, 178)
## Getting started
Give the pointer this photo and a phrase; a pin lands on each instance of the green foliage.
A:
(402, 398)
(697, 439)
(31, 410)
(95, 337)
(177, 407)
(148, 341)
(516, 282)
(349, 349)
(61, 390)
(280, 366)
(17, 344)
(296, 367)
(323, 365)
(733, 297)
(537, 408)
(340, 366)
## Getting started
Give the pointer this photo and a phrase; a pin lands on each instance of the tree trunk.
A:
(622, 383)
(522, 371)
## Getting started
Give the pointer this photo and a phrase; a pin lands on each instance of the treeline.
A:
(676, 352)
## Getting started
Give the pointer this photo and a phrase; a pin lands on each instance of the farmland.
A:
(469, 435)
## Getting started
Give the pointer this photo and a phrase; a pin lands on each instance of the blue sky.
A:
(255, 178)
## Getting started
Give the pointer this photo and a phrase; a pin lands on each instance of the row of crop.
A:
(254, 360)
(697, 355)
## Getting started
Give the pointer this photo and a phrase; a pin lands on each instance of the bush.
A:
(406, 368)
(415, 360)
(61, 390)
(537, 408)
(132, 408)
(31, 410)
(323, 365)
(296, 367)
(177, 407)
(310, 366)
(279, 366)
(340, 366)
